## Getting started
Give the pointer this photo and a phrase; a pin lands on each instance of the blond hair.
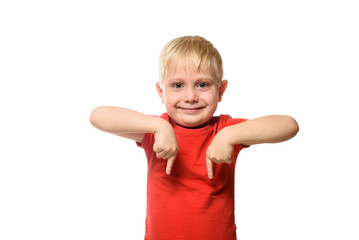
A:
(195, 52)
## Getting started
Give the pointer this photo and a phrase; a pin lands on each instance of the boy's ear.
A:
(222, 89)
(160, 91)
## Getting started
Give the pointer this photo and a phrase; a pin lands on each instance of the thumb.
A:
(209, 164)
(169, 165)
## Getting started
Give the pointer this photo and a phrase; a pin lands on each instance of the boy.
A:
(191, 154)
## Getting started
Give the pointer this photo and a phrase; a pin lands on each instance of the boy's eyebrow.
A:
(197, 79)
(206, 78)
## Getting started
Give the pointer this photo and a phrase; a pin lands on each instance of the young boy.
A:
(191, 154)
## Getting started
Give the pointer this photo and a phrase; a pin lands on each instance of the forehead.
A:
(188, 67)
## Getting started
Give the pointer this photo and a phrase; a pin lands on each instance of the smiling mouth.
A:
(191, 110)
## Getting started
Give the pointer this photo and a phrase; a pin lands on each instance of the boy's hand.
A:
(166, 146)
(219, 151)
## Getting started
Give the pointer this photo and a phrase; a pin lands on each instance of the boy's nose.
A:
(191, 96)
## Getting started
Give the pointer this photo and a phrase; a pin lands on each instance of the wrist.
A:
(226, 136)
(160, 124)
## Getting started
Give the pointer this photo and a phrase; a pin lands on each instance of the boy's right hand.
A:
(166, 146)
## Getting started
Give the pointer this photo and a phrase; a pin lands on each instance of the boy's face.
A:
(190, 97)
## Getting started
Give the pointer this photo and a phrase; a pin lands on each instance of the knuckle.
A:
(156, 148)
(210, 156)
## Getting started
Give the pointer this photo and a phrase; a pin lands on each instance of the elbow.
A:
(95, 116)
(292, 126)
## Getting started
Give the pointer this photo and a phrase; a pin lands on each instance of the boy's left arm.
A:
(268, 129)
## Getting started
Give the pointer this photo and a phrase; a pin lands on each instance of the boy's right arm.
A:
(124, 122)
(134, 125)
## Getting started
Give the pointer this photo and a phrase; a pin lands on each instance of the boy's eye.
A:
(202, 85)
(177, 85)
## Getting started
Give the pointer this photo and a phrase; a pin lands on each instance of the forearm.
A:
(133, 125)
(118, 120)
(268, 129)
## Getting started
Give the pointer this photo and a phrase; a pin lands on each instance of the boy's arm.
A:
(134, 125)
(124, 122)
(268, 129)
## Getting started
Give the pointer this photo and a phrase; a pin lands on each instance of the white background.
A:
(60, 178)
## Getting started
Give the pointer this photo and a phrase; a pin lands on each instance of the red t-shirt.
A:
(186, 205)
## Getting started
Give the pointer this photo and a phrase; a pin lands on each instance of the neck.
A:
(195, 127)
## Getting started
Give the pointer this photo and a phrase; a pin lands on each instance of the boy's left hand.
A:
(219, 151)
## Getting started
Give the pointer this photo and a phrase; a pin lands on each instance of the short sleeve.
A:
(149, 138)
(146, 142)
(229, 121)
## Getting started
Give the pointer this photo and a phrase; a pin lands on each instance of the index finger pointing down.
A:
(209, 164)
(169, 165)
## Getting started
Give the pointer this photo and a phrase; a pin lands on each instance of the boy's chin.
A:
(192, 124)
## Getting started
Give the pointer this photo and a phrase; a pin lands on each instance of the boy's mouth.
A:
(190, 110)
